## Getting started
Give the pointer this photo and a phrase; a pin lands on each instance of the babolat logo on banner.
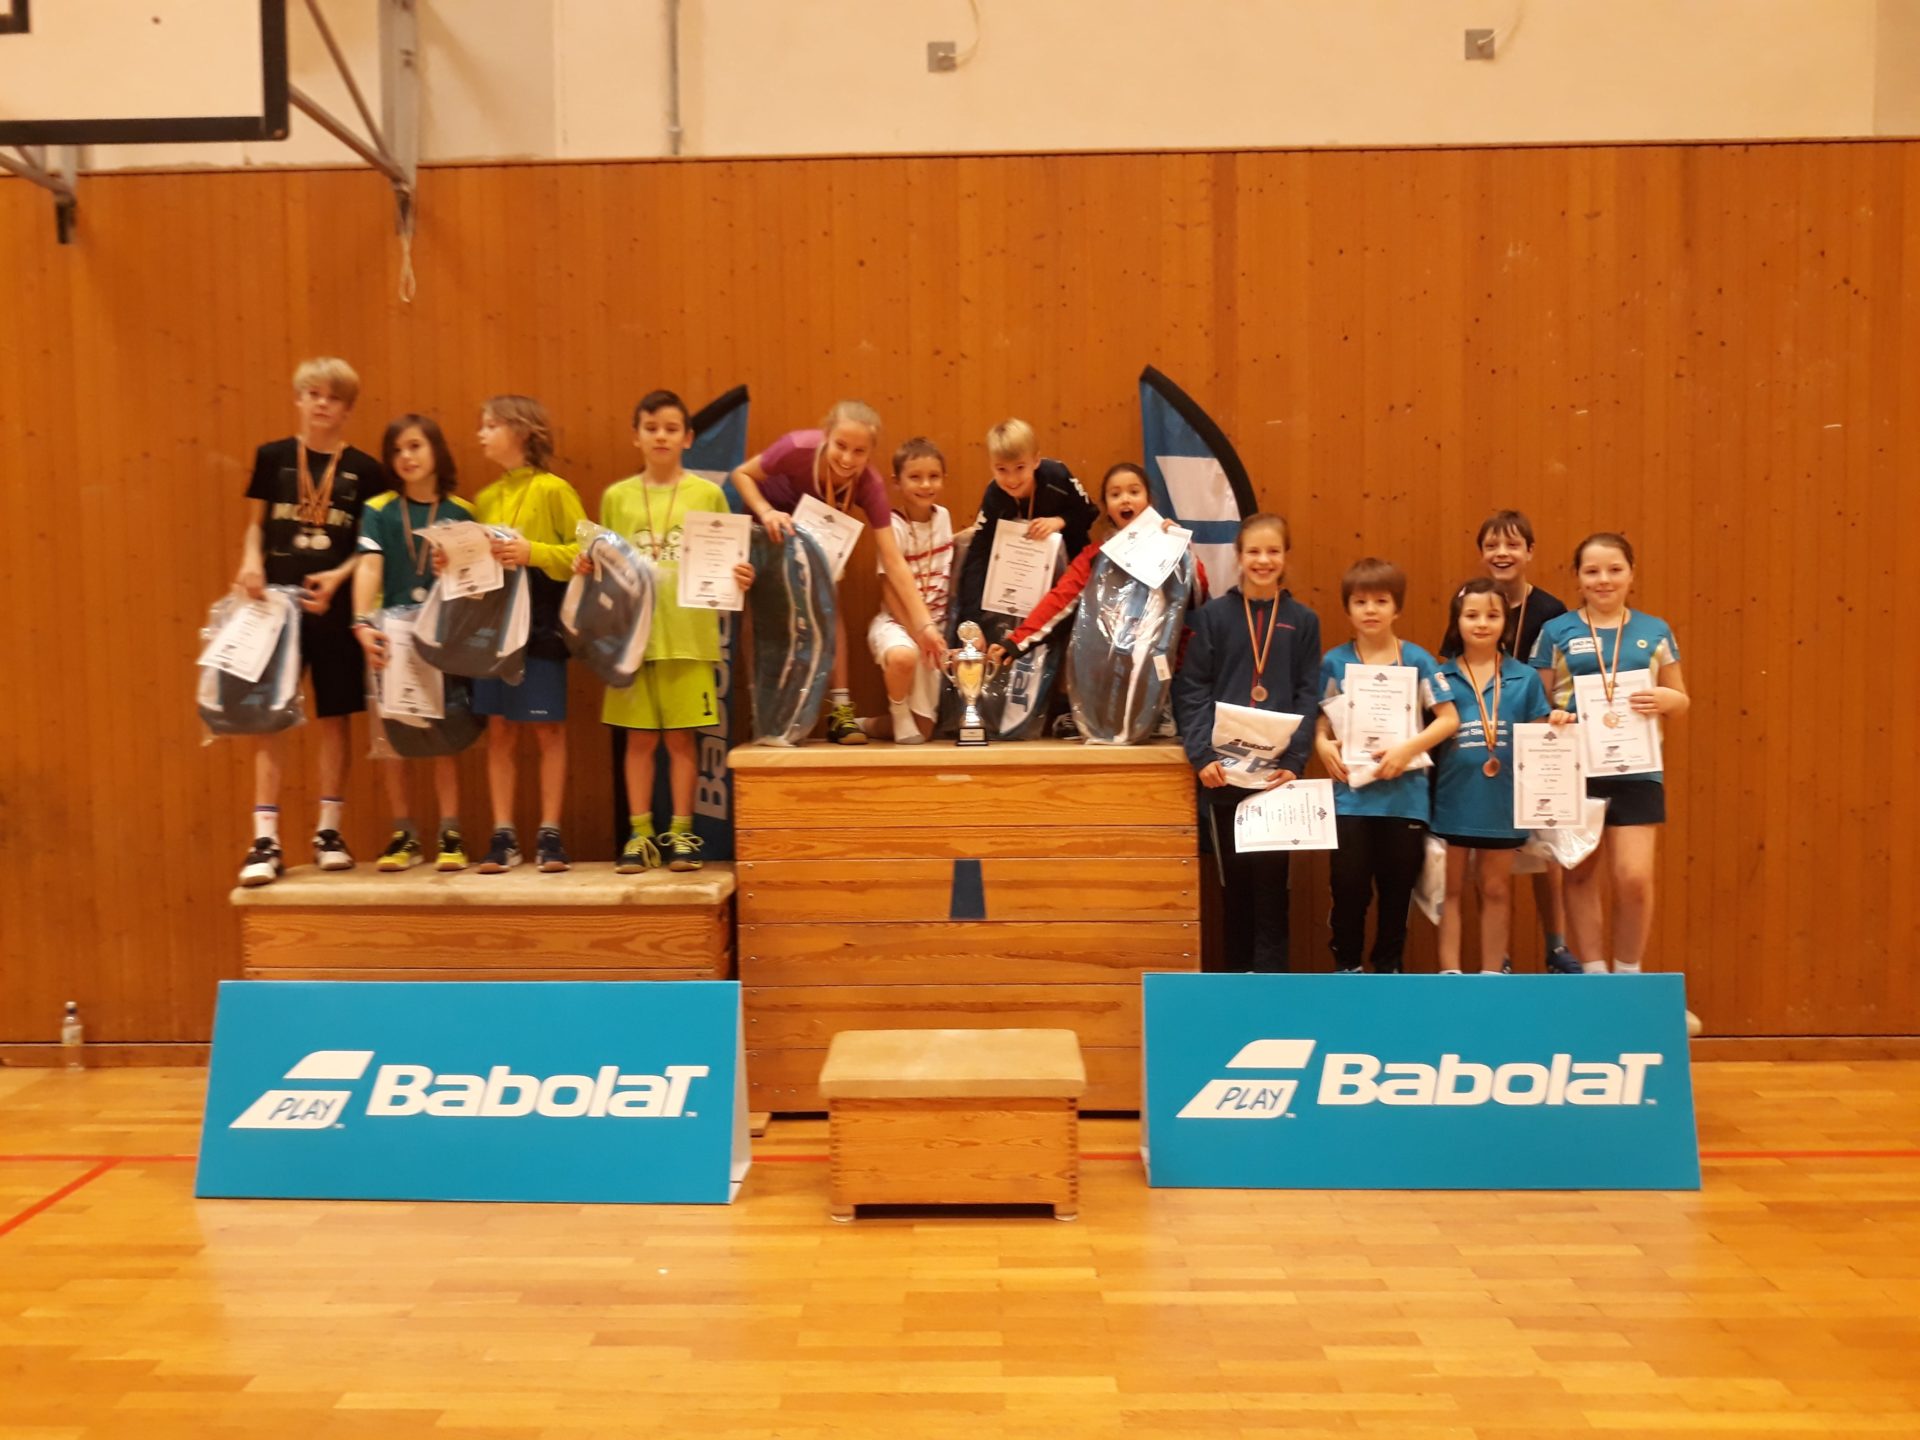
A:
(616, 1091)
(1419, 1082)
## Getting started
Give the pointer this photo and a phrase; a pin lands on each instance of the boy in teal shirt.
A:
(674, 694)
(1382, 824)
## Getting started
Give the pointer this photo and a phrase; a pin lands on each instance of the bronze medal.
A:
(1260, 650)
(1490, 769)
(1611, 720)
(1489, 723)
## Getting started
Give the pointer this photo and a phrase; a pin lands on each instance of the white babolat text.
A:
(401, 1090)
(1358, 1079)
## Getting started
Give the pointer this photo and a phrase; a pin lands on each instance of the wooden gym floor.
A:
(1784, 1299)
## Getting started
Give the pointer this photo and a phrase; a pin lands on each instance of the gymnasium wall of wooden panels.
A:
(1716, 349)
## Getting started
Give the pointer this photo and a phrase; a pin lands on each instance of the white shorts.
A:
(887, 633)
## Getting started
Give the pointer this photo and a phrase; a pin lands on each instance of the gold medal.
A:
(419, 592)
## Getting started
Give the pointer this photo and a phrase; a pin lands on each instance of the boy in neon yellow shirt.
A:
(674, 693)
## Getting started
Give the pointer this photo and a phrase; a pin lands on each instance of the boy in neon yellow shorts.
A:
(674, 693)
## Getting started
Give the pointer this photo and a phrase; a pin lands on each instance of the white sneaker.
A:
(263, 863)
(1694, 1027)
(330, 851)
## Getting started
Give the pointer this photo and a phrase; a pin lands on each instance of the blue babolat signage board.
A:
(1418, 1082)
(615, 1091)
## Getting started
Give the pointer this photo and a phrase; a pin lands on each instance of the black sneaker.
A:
(503, 853)
(550, 856)
(1562, 961)
(264, 863)
(682, 849)
(330, 851)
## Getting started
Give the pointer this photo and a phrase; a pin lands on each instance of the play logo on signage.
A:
(307, 1109)
(1418, 1082)
(1248, 1098)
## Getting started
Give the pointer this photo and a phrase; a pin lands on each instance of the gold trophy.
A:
(971, 670)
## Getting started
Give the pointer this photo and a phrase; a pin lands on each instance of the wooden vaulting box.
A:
(936, 886)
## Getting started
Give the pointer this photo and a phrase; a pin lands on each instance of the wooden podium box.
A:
(586, 924)
(937, 886)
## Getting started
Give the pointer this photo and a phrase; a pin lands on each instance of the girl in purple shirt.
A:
(830, 464)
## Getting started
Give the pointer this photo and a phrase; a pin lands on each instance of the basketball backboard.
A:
(97, 72)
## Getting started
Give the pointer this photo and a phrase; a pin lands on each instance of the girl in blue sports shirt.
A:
(1473, 770)
(1604, 637)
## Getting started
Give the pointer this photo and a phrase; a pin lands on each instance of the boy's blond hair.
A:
(1011, 439)
(527, 418)
(330, 372)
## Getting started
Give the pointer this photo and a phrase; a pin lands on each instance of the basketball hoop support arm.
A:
(57, 178)
(392, 148)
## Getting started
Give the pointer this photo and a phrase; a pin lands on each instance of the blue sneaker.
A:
(1562, 961)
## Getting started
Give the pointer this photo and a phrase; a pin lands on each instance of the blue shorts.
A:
(540, 697)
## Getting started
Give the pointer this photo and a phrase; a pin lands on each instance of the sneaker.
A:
(549, 855)
(1346, 969)
(843, 726)
(403, 852)
(330, 851)
(452, 855)
(1694, 1027)
(503, 853)
(683, 849)
(263, 864)
(642, 852)
(1065, 727)
(1562, 961)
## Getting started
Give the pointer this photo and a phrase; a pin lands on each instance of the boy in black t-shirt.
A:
(1043, 493)
(303, 526)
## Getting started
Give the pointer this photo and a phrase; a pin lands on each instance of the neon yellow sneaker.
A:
(843, 726)
(452, 856)
(403, 852)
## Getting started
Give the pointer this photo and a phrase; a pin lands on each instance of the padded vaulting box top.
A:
(589, 883)
(953, 1065)
(945, 755)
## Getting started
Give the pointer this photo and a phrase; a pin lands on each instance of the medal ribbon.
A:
(1489, 725)
(1260, 650)
(417, 562)
(315, 500)
(1607, 677)
(656, 541)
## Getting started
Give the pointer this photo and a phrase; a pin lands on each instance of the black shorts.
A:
(336, 664)
(1631, 799)
(1482, 842)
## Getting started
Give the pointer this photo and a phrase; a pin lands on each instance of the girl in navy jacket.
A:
(1256, 646)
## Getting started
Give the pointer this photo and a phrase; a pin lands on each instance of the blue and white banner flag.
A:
(1195, 475)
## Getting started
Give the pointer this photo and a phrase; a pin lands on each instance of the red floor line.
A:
(47, 1202)
(95, 1159)
(1810, 1154)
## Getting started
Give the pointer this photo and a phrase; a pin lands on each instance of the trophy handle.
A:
(994, 667)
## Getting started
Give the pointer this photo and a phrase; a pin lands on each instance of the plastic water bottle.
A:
(73, 1037)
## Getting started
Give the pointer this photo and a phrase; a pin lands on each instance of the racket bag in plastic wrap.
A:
(792, 602)
(1126, 637)
(483, 637)
(607, 613)
(230, 704)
